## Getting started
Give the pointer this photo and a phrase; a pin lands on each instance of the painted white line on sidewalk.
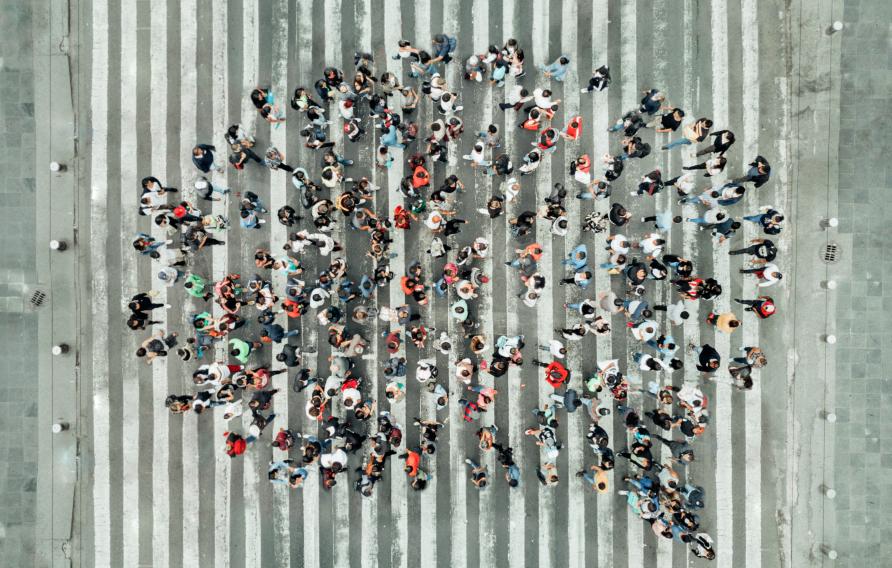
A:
(160, 414)
(99, 291)
(543, 310)
(603, 347)
(575, 420)
(749, 26)
(129, 189)
(279, 180)
(188, 137)
(723, 408)
(219, 264)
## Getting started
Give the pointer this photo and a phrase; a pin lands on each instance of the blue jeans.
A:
(679, 142)
(753, 218)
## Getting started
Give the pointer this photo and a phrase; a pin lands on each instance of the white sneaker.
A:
(583, 90)
(167, 306)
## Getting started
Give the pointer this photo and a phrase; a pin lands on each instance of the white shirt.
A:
(686, 182)
(645, 331)
(234, 409)
(768, 279)
(617, 246)
(673, 311)
(649, 246)
(541, 101)
(338, 456)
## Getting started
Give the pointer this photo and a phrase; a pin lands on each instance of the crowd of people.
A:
(358, 441)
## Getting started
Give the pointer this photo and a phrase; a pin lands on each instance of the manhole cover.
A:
(830, 253)
(38, 297)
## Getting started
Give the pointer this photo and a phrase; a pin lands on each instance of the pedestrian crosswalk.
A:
(166, 76)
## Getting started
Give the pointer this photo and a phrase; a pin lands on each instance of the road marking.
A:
(544, 317)
(219, 261)
(99, 292)
(369, 558)
(188, 137)
(629, 76)
(341, 492)
(690, 247)
(575, 424)
(749, 26)
(251, 477)
(160, 414)
(600, 20)
(129, 203)
(482, 191)
(723, 407)
(309, 325)
(458, 470)
(278, 237)
(663, 202)
(516, 417)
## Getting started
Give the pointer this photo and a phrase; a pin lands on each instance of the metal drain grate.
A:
(37, 298)
(830, 253)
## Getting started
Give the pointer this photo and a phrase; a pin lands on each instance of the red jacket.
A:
(235, 444)
(574, 127)
(556, 374)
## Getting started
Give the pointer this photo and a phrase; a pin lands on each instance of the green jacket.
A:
(197, 285)
(244, 350)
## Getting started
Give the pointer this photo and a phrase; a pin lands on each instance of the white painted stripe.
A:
(251, 476)
(482, 191)
(516, 413)
(188, 138)
(600, 119)
(428, 406)
(160, 414)
(99, 291)
(794, 438)
(219, 260)
(129, 202)
(369, 558)
(334, 56)
(629, 78)
(749, 26)
(544, 312)
(723, 409)
(398, 486)
(458, 470)
(309, 326)
(663, 201)
(279, 180)
(576, 423)
(690, 248)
